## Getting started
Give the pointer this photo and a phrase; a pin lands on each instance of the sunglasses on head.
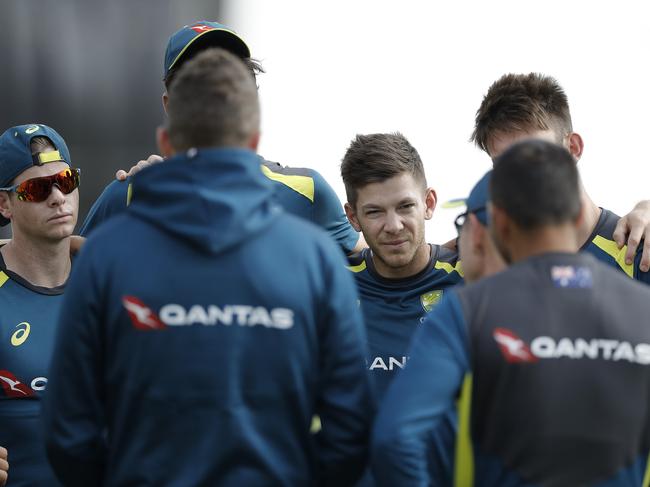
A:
(39, 189)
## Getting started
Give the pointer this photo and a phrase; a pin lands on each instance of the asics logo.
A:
(32, 129)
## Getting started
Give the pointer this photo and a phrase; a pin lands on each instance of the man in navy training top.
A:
(522, 106)
(548, 357)
(400, 277)
(39, 197)
(300, 191)
(200, 355)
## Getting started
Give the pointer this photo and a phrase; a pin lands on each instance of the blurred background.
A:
(334, 69)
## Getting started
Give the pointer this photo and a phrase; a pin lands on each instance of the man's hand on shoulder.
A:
(121, 175)
(76, 242)
(635, 227)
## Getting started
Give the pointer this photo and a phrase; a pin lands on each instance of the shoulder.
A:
(447, 261)
(298, 180)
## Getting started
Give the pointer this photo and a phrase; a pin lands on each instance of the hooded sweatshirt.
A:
(201, 332)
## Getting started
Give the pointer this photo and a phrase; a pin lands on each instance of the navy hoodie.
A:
(201, 332)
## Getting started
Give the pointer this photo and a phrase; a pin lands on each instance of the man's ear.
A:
(352, 216)
(430, 201)
(5, 205)
(254, 142)
(165, 101)
(575, 145)
(500, 224)
(164, 144)
(478, 234)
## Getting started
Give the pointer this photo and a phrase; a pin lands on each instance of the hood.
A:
(213, 198)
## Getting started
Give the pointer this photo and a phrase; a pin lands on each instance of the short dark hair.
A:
(375, 158)
(536, 183)
(213, 102)
(254, 65)
(521, 103)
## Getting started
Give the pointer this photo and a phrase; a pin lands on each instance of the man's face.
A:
(52, 219)
(501, 141)
(391, 215)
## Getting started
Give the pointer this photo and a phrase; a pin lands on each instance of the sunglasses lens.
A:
(38, 189)
(67, 180)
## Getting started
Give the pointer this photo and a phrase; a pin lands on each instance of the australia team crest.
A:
(430, 299)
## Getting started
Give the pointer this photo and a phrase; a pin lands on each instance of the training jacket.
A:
(551, 360)
(300, 191)
(201, 332)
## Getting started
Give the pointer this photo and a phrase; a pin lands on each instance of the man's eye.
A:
(408, 205)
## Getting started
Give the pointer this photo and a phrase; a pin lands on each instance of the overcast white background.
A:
(338, 68)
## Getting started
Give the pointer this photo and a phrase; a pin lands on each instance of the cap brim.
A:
(223, 38)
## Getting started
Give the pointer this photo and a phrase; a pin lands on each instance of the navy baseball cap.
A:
(189, 40)
(477, 200)
(16, 153)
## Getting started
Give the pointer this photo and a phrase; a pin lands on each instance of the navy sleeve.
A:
(420, 396)
(329, 214)
(345, 401)
(73, 411)
(112, 201)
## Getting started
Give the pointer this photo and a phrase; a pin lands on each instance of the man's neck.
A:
(417, 265)
(42, 263)
(590, 216)
(544, 240)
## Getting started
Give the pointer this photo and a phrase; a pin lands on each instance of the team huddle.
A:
(229, 322)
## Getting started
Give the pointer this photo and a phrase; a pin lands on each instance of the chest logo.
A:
(12, 386)
(430, 299)
(21, 334)
(513, 348)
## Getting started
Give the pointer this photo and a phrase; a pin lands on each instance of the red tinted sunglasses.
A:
(39, 189)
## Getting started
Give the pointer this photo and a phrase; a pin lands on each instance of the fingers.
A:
(620, 232)
(633, 240)
(645, 258)
(4, 465)
(121, 175)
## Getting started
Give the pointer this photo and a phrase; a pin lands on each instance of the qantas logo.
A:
(201, 28)
(514, 349)
(16, 389)
(143, 318)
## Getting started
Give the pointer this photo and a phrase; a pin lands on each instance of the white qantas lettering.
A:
(606, 349)
(393, 363)
(242, 315)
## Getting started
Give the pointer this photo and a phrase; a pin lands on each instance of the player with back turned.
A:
(300, 191)
(200, 355)
(548, 358)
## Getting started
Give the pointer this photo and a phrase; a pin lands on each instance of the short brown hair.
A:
(521, 103)
(375, 158)
(41, 144)
(213, 103)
